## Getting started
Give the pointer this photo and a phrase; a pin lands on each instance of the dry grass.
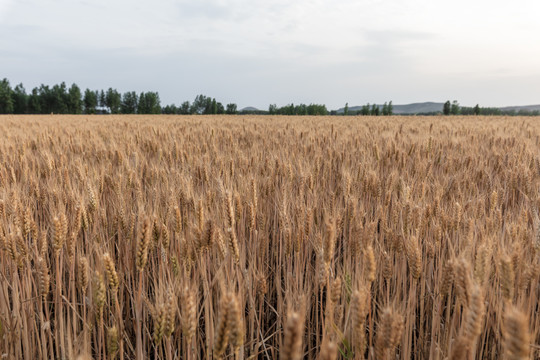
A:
(264, 237)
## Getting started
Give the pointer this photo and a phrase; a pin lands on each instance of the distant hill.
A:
(418, 108)
(518, 108)
(415, 108)
(433, 107)
(249, 108)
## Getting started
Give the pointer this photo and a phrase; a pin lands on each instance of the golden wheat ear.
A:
(236, 322)
(143, 245)
(99, 295)
(359, 310)
(370, 264)
(223, 329)
(112, 275)
(82, 274)
(189, 313)
(329, 350)
(112, 341)
(516, 335)
(44, 278)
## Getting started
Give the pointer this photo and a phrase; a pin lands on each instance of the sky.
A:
(256, 52)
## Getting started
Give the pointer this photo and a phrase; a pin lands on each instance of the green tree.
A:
(454, 110)
(155, 101)
(199, 104)
(385, 109)
(289, 109)
(149, 103)
(346, 109)
(59, 99)
(34, 102)
(6, 100)
(129, 103)
(101, 99)
(232, 109)
(390, 108)
(90, 101)
(447, 107)
(208, 106)
(476, 110)
(220, 108)
(113, 100)
(46, 99)
(142, 108)
(184, 108)
(365, 110)
(169, 110)
(316, 109)
(75, 105)
(20, 100)
(374, 110)
(272, 109)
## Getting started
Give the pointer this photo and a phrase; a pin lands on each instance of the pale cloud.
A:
(258, 52)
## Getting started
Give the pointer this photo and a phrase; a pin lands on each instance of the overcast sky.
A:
(256, 52)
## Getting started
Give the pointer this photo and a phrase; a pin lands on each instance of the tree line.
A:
(61, 99)
(387, 109)
(301, 109)
(202, 105)
(454, 108)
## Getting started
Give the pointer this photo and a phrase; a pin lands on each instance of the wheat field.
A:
(244, 237)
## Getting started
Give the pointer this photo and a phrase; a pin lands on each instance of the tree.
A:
(129, 103)
(208, 106)
(149, 103)
(272, 109)
(289, 109)
(101, 99)
(454, 108)
(232, 109)
(385, 109)
(199, 104)
(113, 100)
(169, 110)
(346, 109)
(184, 108)
(316, 109)
(301, 109)
(476, 110)
(365, 110)
(142, 108)
(46, 99)
(155, 108)
(6, 101)
(20, 100)
(446, 108)
(374, 110)
(220, 108)
(90, 101)
(390, 108)
(74, 100)
(34, 102)
(59, 99)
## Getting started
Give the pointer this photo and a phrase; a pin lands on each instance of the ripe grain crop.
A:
(241, 237)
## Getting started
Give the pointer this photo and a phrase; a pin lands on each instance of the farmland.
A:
(237, 237)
